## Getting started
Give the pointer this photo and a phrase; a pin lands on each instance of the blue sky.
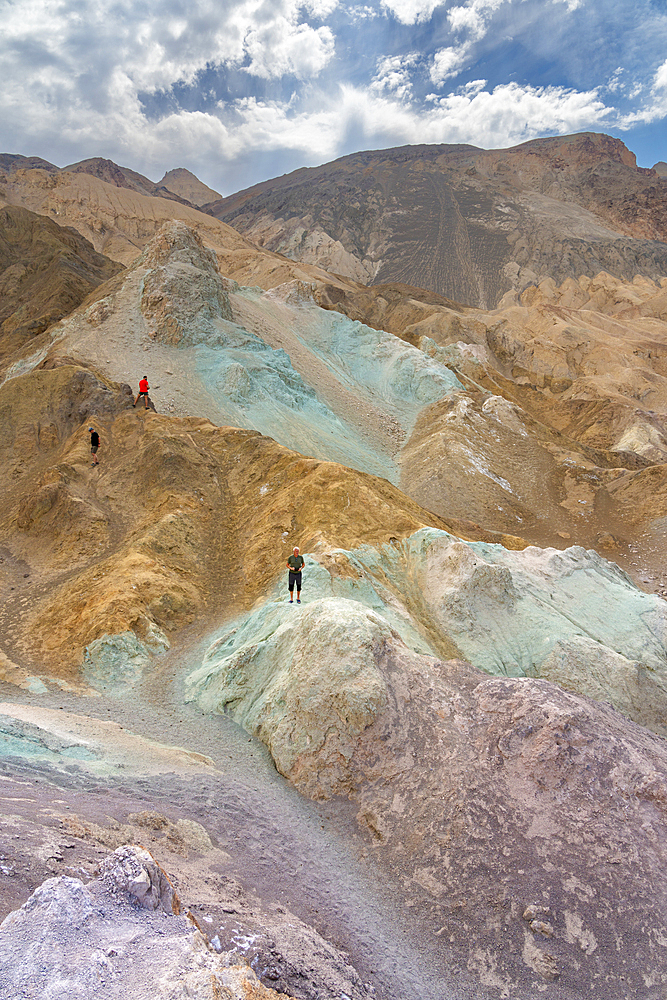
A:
(242, 90)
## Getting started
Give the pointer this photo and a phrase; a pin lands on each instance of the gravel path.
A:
(286, 851)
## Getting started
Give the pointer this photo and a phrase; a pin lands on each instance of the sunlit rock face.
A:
(184, 183)
(182, 295)
(308, 686)
(121, 932)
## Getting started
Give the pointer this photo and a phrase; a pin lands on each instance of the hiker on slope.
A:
(94, 445)
(295, 564)
(143, 391)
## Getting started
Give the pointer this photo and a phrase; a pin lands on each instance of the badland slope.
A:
(466, 817)
(464, 222)
(45, 272)
(540, 419)
(452, 425)
(149, 541)
(573, 373)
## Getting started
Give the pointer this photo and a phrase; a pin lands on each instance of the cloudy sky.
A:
(242, 90)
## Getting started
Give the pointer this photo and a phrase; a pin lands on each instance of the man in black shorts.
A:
(295, 564)
(94, 445)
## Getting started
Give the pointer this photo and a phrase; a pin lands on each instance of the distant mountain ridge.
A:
(464, 222)
(116, 209)
(16, 161)
(121, 177)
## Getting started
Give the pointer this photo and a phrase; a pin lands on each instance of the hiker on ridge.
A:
(143, 391)
(94, 445)
(295, 564)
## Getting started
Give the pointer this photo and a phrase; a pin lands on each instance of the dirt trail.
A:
(292, 853)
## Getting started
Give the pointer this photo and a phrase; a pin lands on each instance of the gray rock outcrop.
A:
(120, 935)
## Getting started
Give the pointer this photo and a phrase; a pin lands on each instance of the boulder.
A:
(308, 686)
(119, 935)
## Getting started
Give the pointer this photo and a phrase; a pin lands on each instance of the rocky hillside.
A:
(464, 222)
(105, 170)
(119, 220)
(442, 774)
(533, 420)
(45, 272)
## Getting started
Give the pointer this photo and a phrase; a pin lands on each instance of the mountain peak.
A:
(185, 184)
(580, 150)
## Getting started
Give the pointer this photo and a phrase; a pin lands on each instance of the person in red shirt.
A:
(143, 391)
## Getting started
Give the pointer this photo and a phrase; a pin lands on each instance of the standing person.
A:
(295, 564)
(143, 391)
(94, 445)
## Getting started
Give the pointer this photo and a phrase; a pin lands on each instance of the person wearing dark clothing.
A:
(143, 391)
(295, 564)
(94, 445)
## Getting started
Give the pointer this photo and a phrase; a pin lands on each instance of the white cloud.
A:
(472, 19)
(320, 8)
(507, 115)
(512, 113)
(660, 79)
(474, 86)
(615, 82)
(466, 19)
(156, 45)
(393, 76)
(655, 108)
(412, 11)
(473, 16)
(448, 62)
(279, 48)
(360, 13)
